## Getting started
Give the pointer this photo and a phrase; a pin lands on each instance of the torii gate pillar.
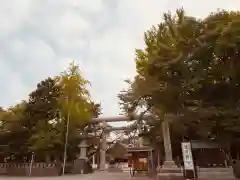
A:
(103, 148)
(169, 169)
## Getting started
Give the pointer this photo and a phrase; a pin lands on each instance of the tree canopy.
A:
(190, 68)
(39, 124)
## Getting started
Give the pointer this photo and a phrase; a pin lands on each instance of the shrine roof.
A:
(119, 118)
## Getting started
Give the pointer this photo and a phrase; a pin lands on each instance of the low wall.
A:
(3, 169)
(23, 169)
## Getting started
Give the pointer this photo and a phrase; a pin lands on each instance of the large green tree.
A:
(189, 68)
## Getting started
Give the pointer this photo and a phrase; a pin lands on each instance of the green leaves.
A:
(190, 60)
(39, 124)
(44, 139)
(43, 103)
(75, 98)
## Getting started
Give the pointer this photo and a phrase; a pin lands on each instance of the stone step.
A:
(215, 173)
(216, 177)
(229, 169)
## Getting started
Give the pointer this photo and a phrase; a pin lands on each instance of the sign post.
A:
(188, 159)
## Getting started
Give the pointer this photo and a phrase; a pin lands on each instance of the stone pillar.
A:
(169, 169)
(103, 148)
(167, 141)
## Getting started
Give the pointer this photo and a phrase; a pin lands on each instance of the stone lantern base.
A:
(170, 171)
(82, 166)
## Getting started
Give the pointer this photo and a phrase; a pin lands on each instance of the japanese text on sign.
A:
(187, 156)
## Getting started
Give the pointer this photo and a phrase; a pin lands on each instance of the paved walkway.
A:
(93, 176)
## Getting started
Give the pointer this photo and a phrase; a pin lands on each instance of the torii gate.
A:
(168, 163)
(104, 120)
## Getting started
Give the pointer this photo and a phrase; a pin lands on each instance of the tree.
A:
(189, 69)
(44, 121)
(13, 134)
(75, 98)
(161, 85)
(219, 90)
(74, 102)
(40, 113)
(39, 124)
(95, 109)
(43, 103)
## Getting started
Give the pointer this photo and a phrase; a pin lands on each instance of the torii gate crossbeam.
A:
(119, 118)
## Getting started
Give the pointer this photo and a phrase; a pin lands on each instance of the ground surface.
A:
(93, 176)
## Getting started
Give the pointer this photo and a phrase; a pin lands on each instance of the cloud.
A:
(39, 38)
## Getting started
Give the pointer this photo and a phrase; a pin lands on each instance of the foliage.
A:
(43, 103)
(39, 124)
(75, 98)
(190, 68)
(13, 133)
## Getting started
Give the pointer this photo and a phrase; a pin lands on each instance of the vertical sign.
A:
(187, 156)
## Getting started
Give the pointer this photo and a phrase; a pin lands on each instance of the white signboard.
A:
(187, 156)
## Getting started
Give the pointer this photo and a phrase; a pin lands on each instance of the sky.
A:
(39, 38)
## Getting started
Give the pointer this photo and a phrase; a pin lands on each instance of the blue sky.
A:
(38, 38)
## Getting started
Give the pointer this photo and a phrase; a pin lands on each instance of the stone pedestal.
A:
(170, 166)
(170, 171)
(82, 166)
